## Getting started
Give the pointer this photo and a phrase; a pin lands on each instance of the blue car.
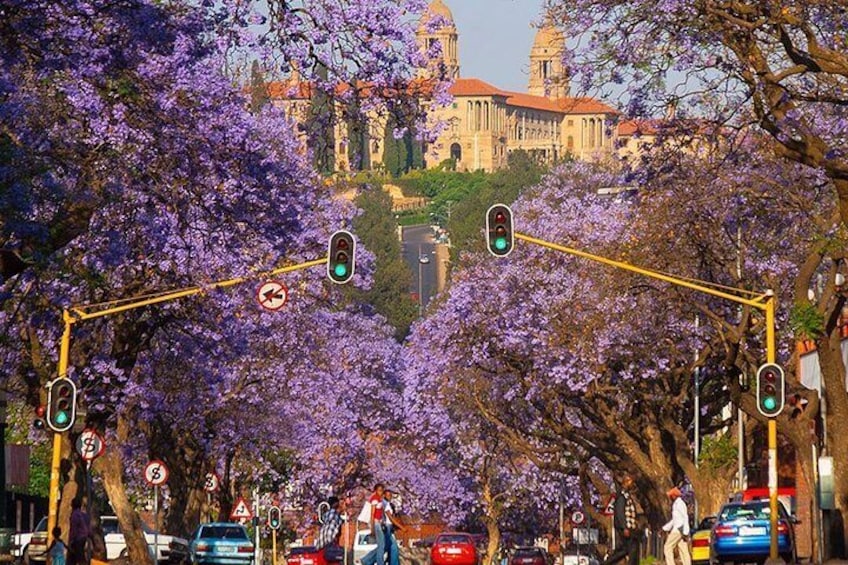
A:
(221, 543)
(741, 533)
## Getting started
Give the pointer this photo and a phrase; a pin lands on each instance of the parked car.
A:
(363, 543)
(701, 541)
(741, 533)
(220, 543)
(169, 549)
(586, 556)
(302, 555)
(453, 548)
(35, 551)
(528, 556)
(21, 542)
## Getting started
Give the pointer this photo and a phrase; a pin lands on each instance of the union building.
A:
(484, 124)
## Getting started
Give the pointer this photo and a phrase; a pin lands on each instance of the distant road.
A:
(418, 242)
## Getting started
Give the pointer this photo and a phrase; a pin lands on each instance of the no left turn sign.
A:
(156, 473)
(272, 295)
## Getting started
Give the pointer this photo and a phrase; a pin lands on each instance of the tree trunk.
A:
(494, 533)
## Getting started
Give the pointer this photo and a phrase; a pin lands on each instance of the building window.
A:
(456, 152)
(570, 142)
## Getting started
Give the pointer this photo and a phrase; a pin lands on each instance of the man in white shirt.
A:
(678, 530)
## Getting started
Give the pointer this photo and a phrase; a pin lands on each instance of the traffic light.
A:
(38, 422)
(274, 518)
(499, 231)
(771, 390)
(341, 257)
(61, 404)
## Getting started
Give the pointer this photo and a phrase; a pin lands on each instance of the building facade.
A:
(484, 124)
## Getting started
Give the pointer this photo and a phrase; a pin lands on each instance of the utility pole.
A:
(2, 457)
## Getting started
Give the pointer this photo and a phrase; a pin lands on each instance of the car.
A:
(453, 548)
(424, 259)
(528, 556)
(302, 555)
(169, 549)
(364, 543)
(701, 541)
(741, 533)
(220, 543)
(34, 549)
(585, 556)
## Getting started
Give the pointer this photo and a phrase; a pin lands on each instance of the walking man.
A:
(678, 530)
(78, 535)
(375, 502)
(624, 522)
(329, 533)
(390, 524)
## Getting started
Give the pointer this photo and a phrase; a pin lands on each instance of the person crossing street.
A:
(678, 530)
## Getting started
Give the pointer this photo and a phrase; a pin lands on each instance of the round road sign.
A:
(90, 445)
(156, 473)
(577, 517)
(212, 483)
(272, 295)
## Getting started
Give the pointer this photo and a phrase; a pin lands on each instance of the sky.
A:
(495, 37)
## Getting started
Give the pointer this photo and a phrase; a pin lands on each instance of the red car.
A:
(453, 549)
(528, 556)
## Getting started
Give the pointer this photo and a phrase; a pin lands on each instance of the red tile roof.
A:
(581, 105)
(634, 127)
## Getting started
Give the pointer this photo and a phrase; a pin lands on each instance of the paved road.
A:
(417, 243)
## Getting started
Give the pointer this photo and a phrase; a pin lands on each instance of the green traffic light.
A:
(61, 418)
(340, 270)
(500, 243)
(769, 403)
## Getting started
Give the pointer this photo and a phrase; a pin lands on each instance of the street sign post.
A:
(156, 473)
(211, 483)
(272, 295)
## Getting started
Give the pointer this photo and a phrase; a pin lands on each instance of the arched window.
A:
(456, 152)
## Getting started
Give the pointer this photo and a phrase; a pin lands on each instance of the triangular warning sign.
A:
(241, 510)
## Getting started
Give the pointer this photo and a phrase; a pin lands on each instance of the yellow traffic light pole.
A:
(91, 311)
(762, 301)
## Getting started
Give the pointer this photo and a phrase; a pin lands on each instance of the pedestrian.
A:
(57, 551)
(390, 525)
(79, 534)
(330, 531)
(678, 530)
(624, 523)
(376, 505)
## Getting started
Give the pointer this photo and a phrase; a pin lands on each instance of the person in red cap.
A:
(678, 530)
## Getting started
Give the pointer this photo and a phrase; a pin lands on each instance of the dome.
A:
(438, 8)
(549, 36)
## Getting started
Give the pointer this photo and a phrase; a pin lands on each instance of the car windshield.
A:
(366, 539)
(223, 532)
(454, 538)
(528, 552)
(751, 511)
(111, 526)
(707, 523)
(42, 525)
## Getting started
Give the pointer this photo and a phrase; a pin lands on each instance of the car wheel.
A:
(788, 558)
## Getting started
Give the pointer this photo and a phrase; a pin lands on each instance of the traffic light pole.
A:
(761, 301)
(91, 311)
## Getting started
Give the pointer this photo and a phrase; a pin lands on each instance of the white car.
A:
(23, 547)
(363, 543)
(169, 549)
